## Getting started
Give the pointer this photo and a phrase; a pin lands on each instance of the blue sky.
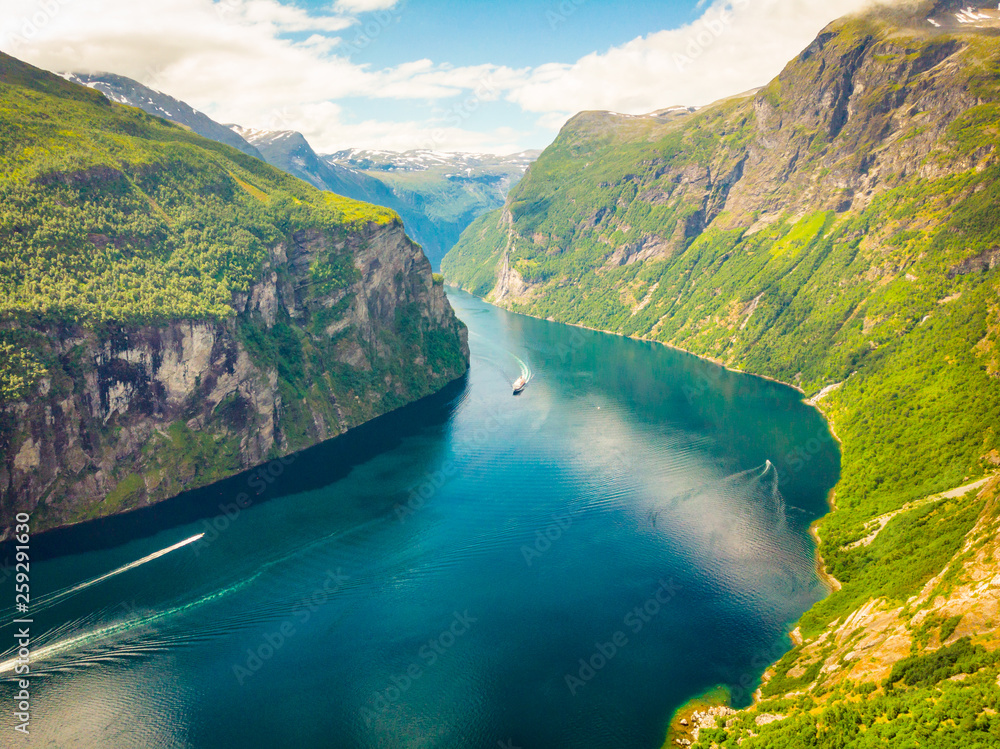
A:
(517, 33)
(440, 74)
(514, 32)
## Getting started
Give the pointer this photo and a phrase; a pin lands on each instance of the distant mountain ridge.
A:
(290, 151)
(455, 189)
(419, 160)
(450, 190)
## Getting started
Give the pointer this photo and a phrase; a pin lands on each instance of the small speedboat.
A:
(519, 384)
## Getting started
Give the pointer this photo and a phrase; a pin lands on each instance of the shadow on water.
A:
(315, 467)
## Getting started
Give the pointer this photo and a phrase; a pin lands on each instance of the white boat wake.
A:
(100, 635)
(525, 369)
(45, 602)
(761, 481)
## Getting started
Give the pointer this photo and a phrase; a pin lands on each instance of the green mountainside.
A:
(173, 311)
(838, 230)
(436, 194)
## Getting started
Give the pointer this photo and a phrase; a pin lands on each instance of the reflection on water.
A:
(557, 569)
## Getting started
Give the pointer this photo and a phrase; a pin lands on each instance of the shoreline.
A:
(831, 583)
(709, 701)
(812, 402)
(194, 502)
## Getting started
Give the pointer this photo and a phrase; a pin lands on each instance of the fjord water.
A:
(636, 521)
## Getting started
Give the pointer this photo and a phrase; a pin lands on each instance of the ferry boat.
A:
(519, 384)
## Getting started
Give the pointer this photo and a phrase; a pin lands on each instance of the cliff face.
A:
(173, 312)
(836, 230)
(132, 415)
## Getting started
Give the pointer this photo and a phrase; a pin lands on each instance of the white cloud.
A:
(737, 45)
(237, 61)
(365, 6)
(286, 18)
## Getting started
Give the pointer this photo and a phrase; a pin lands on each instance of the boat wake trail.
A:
(526, 372)
(98, 635)
(103, 638)
(47, 601)
(525, 369)
(759, 485)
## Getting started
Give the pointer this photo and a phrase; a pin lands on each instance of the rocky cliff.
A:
(131, 415)
(174, 312)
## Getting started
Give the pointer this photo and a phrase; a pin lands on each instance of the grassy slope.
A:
(112, 215)
(883, 297)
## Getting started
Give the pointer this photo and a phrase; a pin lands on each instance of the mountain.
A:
(450, 189)
(437, 194)
(448, 163)
(290, 151)
(126, 91)
(437, 197)
(173, 311)
(838, 230)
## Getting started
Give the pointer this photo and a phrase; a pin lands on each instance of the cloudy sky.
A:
(465, 75)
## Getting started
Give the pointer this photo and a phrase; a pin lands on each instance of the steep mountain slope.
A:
(838, 230)
(124, 90)
(450, 189)
(173, 311)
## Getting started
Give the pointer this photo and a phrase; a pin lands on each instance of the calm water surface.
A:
(559, 569)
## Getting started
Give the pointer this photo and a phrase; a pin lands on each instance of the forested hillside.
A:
(838, 230)
(173, 311)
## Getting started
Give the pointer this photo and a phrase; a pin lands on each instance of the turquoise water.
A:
(557, 569)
